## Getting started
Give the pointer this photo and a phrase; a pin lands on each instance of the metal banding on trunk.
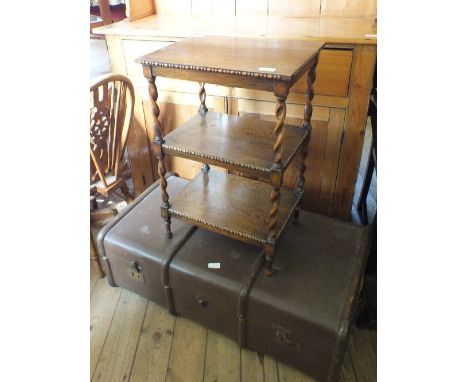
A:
(165, 274)
(102, 234)
(243, 298)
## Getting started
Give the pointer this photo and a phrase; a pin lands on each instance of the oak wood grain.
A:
(222, 362)
(93, 278)
(239, 143)
(266, 110)
(330, 160)
(138, 9)
(333, 74)
(237, 56)
(314, 163)
(252, 365)
(154, 345)
(270, 369)
(115, 362)
(103, 305)
(187, 359)
(234, 206)
(335, 29)
(361, 82)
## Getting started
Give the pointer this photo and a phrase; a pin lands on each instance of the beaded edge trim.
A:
(212, 157)
(267, 76)
(237, 233)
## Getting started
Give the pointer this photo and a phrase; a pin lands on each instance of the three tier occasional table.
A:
(254, 211)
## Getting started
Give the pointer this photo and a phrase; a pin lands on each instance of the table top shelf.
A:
(240, 143)
(231, 205)
(259, 58)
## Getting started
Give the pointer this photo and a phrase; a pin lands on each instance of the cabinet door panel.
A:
(330, 164)
(294, 112)
(321, 163)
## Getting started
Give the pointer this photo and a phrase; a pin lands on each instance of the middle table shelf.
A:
(231, 205)
(241, 143)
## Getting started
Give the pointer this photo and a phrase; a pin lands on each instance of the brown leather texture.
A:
(137, 235)
(301, 315)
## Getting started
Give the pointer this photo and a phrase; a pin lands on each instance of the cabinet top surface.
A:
(328, 29)
(260, 57)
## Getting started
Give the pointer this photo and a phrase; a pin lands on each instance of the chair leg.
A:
(94, 257)
(127, 194)
(103, 213)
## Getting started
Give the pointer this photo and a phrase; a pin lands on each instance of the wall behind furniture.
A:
(285, 8)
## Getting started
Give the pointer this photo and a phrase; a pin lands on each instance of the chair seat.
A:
(112, 181)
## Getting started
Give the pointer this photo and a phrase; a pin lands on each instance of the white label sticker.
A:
(269, 70)
(214, 265)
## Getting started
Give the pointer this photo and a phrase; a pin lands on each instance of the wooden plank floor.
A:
(133, 339)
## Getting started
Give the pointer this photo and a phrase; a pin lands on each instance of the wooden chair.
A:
(111, 113)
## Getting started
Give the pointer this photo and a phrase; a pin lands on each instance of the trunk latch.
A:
(135, 272)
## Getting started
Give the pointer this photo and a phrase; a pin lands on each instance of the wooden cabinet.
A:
(333, 73)
(342, 87)
(137, 48)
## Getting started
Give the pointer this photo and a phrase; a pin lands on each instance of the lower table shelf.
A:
(242, 143)
(231, 205)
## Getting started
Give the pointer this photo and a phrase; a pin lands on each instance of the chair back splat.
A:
(111, 113)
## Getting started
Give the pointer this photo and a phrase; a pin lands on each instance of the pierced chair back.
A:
(111, 113)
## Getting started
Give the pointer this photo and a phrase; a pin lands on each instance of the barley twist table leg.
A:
(276, 178)
(306, 125)
(158, 142)
(202, 110)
